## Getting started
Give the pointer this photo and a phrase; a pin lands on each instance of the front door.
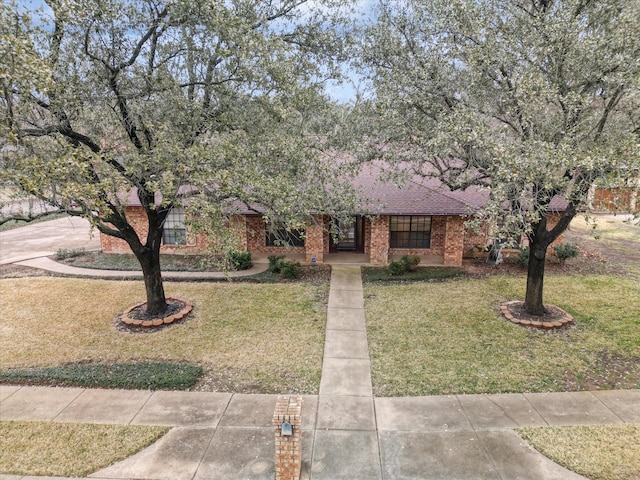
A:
(349, 237)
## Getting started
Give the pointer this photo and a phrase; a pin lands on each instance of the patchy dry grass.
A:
(269, 336)
(69, 449)
(610, 452)
(616, 240)
(443, 338)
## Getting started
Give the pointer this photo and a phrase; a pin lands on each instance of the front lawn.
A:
(69, 449)
(247, 337)
(445, 338)
(599, 452)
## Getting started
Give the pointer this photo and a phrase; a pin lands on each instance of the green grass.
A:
(69, 449)
(445, 338)
(137, 375)
(609, 452)
(269, 336)
(421, 274)
(128, 262)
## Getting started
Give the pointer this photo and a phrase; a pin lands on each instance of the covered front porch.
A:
(347, 258)
(365, 241)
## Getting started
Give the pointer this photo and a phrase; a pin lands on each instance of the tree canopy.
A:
(532, 100)
(106, 98)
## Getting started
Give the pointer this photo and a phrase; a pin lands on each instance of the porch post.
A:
(453, 241)
(314, 241)
(379, 248)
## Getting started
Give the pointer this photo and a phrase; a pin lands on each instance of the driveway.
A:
(45, 238)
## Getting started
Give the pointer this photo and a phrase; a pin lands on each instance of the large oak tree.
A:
(104, 99)
(530, 99)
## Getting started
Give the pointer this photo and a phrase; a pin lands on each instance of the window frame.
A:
(174, 229)
(280, 236)
(416, 237)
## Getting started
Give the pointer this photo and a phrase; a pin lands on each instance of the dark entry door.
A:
(349, 236)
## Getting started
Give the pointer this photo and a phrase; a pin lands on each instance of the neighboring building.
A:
(421, 217)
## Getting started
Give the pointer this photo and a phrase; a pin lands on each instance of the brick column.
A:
(238, 224)
(288, 447)
(379, 247)
(314, 236)
(454, 241)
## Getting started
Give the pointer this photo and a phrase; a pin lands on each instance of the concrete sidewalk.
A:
(45, 263)
(347, 433)
(230, 436)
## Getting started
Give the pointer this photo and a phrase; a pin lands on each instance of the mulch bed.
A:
(136, 318)
(554, 317)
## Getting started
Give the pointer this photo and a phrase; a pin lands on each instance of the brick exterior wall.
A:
(449, 238)
(314, 241)
(379, 245)
(453, 241)
(618, 200)
(446, 240)
(256, 238)
(438, 225)
(475, 238)
(552, 221)
(138, 220)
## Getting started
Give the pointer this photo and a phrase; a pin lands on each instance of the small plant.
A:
(405, 265)
(64, 253)
(286, 268)
(523, 256)
(275, 263)
(410, 262)
(396, 268)
(289, 269)
(565, 251)
(135, 375)
(240, 260)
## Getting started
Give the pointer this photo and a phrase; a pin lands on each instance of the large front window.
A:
(280, 236)
(410, 231)
(174, 231)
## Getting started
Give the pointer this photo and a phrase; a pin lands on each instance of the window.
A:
(410, 231)
(279, 236)
(174, 231)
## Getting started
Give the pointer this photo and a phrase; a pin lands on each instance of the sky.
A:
(344, 92)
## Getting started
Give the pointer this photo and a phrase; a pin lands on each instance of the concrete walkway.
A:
(347, 433)
(229, 436)
(45, 263)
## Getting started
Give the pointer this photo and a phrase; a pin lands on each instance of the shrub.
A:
(289, 269)
(286, 268)
(523, 256)
(410, 263)
(240, 260)
(275, 263)
(405, 265)
(135, 375)
(64, 253)
(565, 251)
(396, 268)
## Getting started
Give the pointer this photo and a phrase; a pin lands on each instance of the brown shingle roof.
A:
(416, 195)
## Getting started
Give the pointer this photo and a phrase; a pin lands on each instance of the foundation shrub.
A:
(240, 260)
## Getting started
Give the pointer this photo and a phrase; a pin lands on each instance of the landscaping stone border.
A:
(508, 311)
(156, 322)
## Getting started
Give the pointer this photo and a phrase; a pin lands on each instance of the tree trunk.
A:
(156, 300)
(539, 240)
(535, 278)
